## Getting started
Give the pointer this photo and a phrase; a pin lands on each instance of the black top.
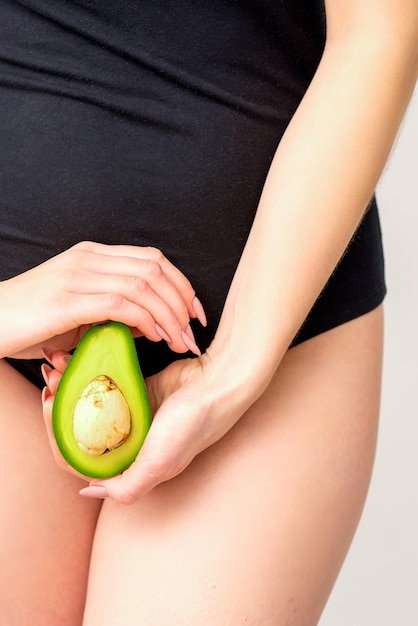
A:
(154, 123)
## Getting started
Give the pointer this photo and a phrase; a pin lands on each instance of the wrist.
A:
(235, 379)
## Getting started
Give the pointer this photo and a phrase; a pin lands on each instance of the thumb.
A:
(170, 446)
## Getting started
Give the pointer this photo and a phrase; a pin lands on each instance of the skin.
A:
(364, 81)
(91, 283)
(191, 468)
(254, 531)
(46, 529)
(262, 519)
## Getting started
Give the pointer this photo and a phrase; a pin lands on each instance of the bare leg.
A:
(46, 529)
(256, 529)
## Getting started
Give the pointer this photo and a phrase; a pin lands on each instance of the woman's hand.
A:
(191, 412)
(54, 303)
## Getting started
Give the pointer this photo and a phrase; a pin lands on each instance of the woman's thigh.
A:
(46, 529)
(257, 527)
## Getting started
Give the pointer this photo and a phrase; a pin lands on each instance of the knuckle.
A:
(113, 302)
(84, 245)
(153, 269)
(138, 284)
(181, 313)
(154, 254)
(75, 258)
(126, 496)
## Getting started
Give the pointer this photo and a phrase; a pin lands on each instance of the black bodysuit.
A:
(154, 123)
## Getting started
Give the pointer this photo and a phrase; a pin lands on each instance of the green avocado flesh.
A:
(108, 351)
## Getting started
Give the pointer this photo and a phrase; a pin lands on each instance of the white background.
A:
(378, 585)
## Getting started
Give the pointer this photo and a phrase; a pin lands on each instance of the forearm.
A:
(320, 182)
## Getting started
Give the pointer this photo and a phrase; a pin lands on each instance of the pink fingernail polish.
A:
(190, 343)
(94, 491)
(161, 332)
(45, 394)
(199, 311)
(47, 352)
(189, 333)
(45, 369)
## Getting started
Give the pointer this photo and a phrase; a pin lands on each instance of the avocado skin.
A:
(107, 349)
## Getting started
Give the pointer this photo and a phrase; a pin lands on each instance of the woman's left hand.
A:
(190, 413)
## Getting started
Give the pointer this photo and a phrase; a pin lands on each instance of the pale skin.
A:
(247, 492)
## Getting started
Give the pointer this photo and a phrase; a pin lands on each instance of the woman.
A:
(246, 494)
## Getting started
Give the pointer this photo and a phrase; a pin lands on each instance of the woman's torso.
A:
(148, 123)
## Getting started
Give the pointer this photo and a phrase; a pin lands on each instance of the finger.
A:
(168, 449)
(54, 379)
(140, 478)
(47, 403)
(58, 358)
(127, 259)
(154, 294)
(92, 308)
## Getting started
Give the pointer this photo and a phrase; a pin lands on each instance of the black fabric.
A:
(154, 123)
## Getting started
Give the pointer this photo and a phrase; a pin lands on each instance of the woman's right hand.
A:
(54, 303)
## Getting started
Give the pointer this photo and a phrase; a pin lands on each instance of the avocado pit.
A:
(102, 419)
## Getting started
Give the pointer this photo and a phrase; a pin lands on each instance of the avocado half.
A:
(105, 351)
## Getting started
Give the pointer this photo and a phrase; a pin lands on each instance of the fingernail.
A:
(189, 333)
(161, 332)
(189, 341)
(198, 309)
(94, 491)
(47, 352)
(66, 358)
(45, 369)
(45, 394)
